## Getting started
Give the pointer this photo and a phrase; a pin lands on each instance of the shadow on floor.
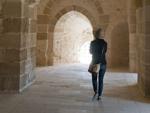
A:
(130, 92)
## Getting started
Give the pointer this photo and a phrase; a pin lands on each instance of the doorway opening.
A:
(84, 55)
(72, 35)
(120, 47)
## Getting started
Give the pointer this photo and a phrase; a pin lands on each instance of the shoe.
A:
(99, 98)
(95, 94)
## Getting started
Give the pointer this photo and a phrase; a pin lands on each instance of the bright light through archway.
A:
(84, 55)
(72, 30)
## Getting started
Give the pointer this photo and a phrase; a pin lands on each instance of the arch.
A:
(73, 8)
(54, 20)
(63, 44)
(96, 3)
(48, 18)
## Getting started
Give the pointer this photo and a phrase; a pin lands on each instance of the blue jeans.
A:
(100, 81)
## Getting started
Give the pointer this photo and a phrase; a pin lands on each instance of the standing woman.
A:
(98, 49)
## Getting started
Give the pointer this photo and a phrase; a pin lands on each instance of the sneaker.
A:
(99, 98)
(95, 92)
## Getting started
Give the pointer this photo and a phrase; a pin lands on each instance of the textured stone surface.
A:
(68, 89)
(143, 52)
(120, 45)
(25, 23)
(17, 46)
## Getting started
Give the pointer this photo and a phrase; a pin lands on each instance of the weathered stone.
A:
(42, 36)
(11, 40)
(15, 25)
(33, 26)
(9, 68)
(21, 25)
(42, 28)
(12, 9)
(43, 19)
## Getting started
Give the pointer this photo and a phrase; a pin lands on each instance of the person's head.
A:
(98, 33)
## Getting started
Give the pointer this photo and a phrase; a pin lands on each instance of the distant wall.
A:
(120, 45)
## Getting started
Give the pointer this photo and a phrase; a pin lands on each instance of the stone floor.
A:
(67, 89)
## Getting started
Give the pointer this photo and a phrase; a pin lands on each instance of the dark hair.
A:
(97, 33)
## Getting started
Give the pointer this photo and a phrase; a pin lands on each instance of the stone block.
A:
(9, 55)
(104, 19)
(42, 28)
(146, 13)
(147, 2)
(23, 54)
(132, 28)
(1, 27)
(12, 9)
(9, 68)
(29, 11)
(2, 55)
(43, 19)
(132, 19)
(138, 3)
(147, 88)
(50, 3)
(9, 84)
(42, 45)
(41, 60)
(29, 40)
(24, 37)
(11, 40)
(47, 10)
(33, 51)
(33, 26)
(147, 40)
(22, 67)
(25, 25)
(12, 25)
(42, 36)
(51, 28)
(15, 25)
(33, 37)
(100, 10)
(147, 28)
(139, 15)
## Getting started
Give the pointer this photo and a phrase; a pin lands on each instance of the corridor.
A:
(68, 89)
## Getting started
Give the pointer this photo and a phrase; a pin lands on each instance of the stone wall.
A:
(120, 46)
(143, 35)
(18, 28)
(132, 34)
(89, 8)
(10, 45)
(117, 11)
(17, 45)
(99, 10)
(29, 12)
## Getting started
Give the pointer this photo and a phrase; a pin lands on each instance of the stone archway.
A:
(46, 25)
(72, 30)
(56, 18)
(18, 35)
(74, 8)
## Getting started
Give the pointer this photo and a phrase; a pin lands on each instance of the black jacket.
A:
(98, 49)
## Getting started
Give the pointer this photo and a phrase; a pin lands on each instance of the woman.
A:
(98, 50)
